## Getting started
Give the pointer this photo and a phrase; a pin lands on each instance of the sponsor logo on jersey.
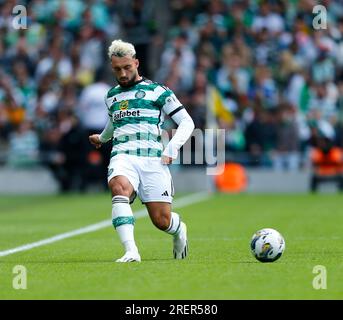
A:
(140, 94)
(123, 105)
(126, 113)
(170, 99)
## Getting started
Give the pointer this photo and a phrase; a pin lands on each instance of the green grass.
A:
(220, 265)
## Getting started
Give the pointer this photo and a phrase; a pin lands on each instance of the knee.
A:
(118, 189)
(161, 221)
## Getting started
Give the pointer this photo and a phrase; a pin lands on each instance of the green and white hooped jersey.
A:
(137, 113)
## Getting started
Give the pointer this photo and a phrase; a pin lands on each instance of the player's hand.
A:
(94, 139)
(166, 160)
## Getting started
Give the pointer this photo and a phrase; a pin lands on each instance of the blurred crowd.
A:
(280, 78)
(54, 74)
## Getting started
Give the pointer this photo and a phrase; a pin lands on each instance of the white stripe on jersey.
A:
(134, 128)
(138, 144)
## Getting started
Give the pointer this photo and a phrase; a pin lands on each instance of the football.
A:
(267, 245)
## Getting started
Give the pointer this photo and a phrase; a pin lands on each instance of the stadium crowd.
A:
(280, 78)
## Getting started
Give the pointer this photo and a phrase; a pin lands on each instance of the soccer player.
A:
(138, 165)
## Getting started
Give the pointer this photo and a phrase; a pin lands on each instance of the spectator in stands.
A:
(263, 87)
(327, 161)
(93, 115)
(267, 20)
(260, 135)
(232, 76)
(56, 61)
(26, 88)
(12, 112)
(197, 101)
(73, 137)
(286, 155)
(23, 146)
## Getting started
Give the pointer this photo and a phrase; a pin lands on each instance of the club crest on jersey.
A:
(140, 94)
(123, 105)
(110, 172)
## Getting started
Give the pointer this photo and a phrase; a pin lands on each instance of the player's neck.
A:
(138, 79)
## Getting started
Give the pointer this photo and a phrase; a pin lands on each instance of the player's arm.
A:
(98, 139)
(185, 124)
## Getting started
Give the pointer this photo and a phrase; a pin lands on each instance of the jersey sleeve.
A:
(107, 106)
(168, 102)
(107, 133)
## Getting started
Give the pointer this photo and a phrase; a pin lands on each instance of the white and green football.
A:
(267, 245)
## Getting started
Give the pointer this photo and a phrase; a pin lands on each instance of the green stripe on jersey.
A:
(147, 87)
(147, 152)
(135, 120)
(136, 136)
(162, 98)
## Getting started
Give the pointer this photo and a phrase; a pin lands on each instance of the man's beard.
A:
(129, 83)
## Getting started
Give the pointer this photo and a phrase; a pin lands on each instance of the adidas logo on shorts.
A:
(165, 193)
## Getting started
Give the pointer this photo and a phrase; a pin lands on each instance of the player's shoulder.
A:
(158, 87)
(113, 91)
(149, 85)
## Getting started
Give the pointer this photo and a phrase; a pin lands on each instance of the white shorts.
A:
(150, 179)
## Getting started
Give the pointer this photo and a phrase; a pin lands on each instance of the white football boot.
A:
(180, 249)
(130, 256)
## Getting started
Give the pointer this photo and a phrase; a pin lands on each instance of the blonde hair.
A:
(120, 48)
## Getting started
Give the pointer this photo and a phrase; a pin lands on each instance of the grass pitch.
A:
(219, 266)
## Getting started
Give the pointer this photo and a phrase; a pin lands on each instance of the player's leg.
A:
(156, 192)
(123, 180)
(164, 219)
(122, 217)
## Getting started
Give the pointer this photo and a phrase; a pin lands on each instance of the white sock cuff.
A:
(175, 222)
